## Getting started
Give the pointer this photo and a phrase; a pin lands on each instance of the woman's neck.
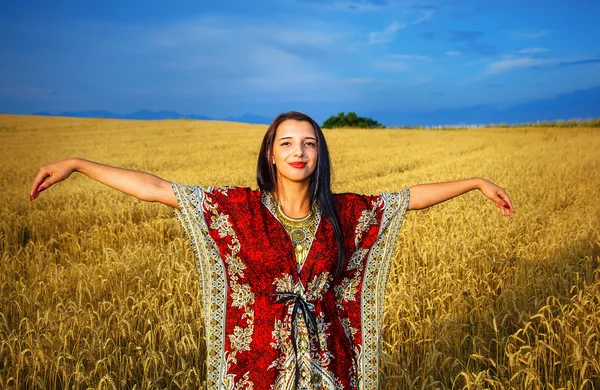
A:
(294, 198)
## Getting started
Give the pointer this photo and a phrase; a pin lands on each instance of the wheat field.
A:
(99, 290)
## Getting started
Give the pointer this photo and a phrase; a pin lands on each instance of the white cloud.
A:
(276, 66)
(244, 49)
(409, 57)
(386, 35)
(509, 64)
(425, 16)
(218, 31)
(243, 57)
(345, 5)
(186, 33)
(396, 6)
(532, 50)
(359, 81)
(391, 65)
(302, 36)
(358, 6)
(417, 80)
(453, 53)
(529, 33)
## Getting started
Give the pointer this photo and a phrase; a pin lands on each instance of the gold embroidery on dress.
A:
(312, 361)
(313, 365)
(213, 278)
(373, 291)
(242, 296)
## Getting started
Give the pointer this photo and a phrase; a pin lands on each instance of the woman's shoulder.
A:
(353, 197)
(353, 200)
(234, 194)
(349, 200)
(227, 194)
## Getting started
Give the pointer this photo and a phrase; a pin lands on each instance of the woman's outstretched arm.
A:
(142, 185)
(426, 195)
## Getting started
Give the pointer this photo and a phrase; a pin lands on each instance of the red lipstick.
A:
(298, 164)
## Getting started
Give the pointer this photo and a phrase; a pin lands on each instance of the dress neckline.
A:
(268, 200)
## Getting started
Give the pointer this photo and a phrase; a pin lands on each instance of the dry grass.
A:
(100, 291)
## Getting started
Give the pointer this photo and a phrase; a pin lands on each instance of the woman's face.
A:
(295, 150)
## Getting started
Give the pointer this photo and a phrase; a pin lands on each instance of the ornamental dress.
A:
(271, 324)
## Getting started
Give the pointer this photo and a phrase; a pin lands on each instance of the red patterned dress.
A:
(271, 325)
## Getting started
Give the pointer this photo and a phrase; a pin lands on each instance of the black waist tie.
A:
(309, 319)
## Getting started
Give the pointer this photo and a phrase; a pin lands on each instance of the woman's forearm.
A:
(142, 185)
(426, 195)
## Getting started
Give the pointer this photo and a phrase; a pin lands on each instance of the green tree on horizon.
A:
(351, 120)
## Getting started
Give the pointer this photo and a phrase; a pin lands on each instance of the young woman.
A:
(293, 276)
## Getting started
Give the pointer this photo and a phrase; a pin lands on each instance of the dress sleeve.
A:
(192, 217)
(394, 205)
(360, 292)
(190, 213)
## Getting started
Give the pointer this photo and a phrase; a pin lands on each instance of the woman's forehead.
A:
(294, 128)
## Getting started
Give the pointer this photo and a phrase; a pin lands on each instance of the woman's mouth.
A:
(298, 164)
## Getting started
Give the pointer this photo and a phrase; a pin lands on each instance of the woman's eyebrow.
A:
(289, 137)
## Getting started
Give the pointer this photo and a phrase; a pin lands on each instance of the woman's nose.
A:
(299, 150)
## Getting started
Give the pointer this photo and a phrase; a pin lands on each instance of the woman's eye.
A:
(285, 143)
(311, 144)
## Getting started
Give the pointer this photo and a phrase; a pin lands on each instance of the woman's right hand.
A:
(51, 174)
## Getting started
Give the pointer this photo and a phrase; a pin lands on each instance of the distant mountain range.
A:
(150, 115)
(579, 104)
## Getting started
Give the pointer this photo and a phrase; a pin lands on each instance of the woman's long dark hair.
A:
(320, 181)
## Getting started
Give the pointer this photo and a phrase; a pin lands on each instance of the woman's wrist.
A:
(478, 182)
(75, 163)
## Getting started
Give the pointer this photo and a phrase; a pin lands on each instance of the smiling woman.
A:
(295, 147)
(293, 277)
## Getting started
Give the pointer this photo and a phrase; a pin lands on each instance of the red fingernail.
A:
(506, 206)
(41, 188)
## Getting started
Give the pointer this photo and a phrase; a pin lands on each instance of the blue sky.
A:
(227, 58)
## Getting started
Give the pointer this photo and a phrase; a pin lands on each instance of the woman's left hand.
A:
(498, 196)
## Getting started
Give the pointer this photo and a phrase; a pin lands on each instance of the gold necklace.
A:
(301, 230)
